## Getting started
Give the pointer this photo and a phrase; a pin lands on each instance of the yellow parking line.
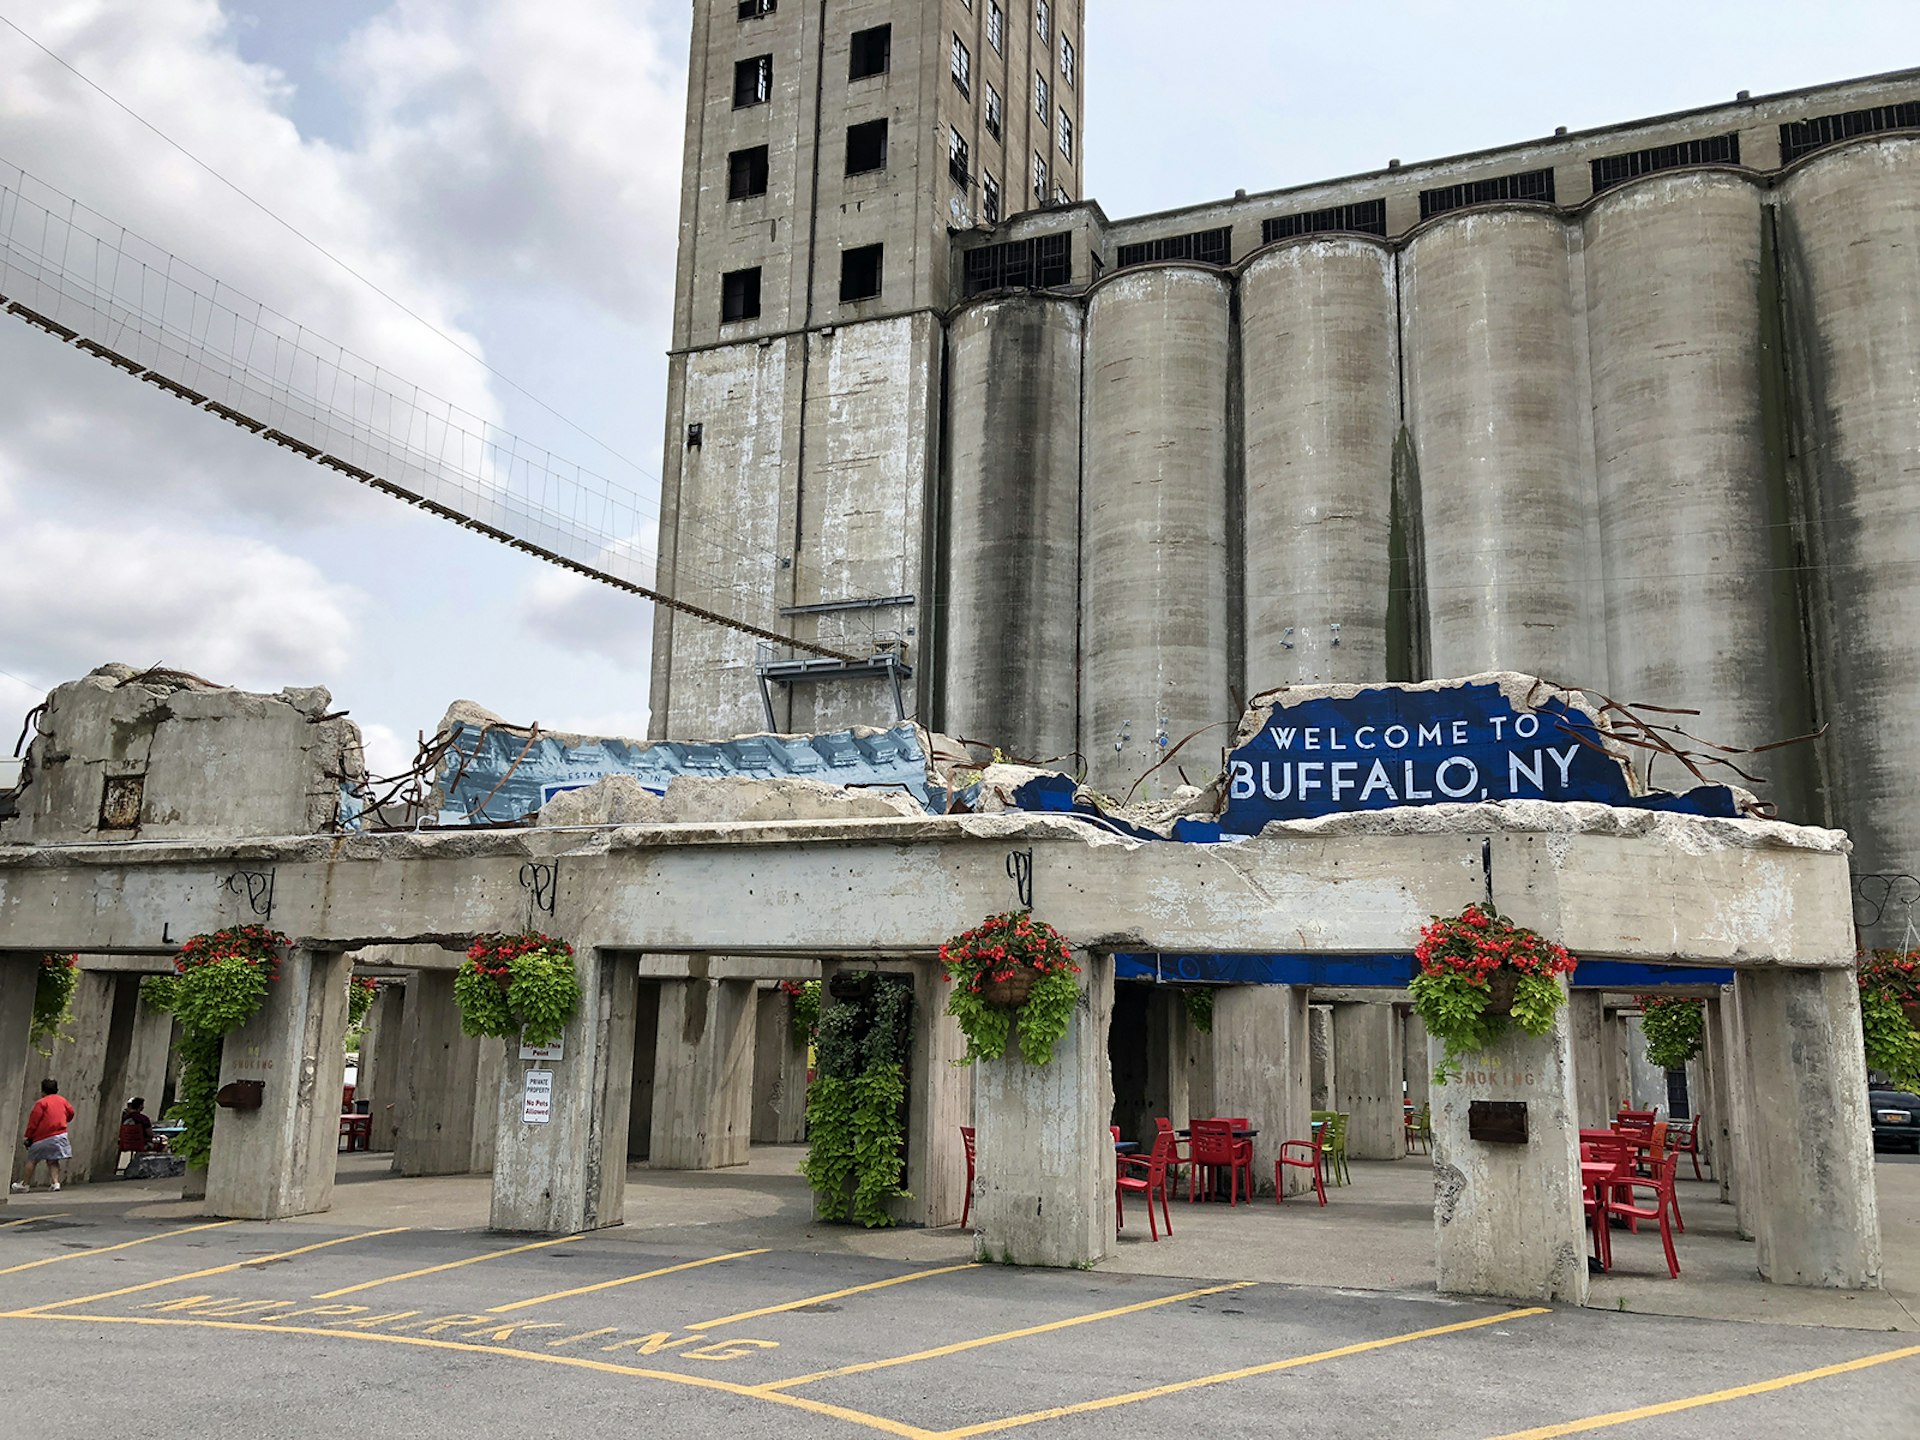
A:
(608, 1284)
(227, 1269)
(29, 1219)
(830, 1295)
(123, 1245)
(1034, 1417)
(964, 1345)
(450, 1265)
(1738, 1392)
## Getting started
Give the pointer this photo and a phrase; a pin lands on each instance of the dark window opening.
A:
(993, 111)
(740, 295)
(866, 147)
(990, 199)
(1803, 137)
(752, 81)
(860, 272)
(747, 173)
(1617, 169)
(872, 53)
(754, 9)
(1368, 217)
(962, 67)
(957, 159)
(1039, 263)
(1209, 247)
(1528, 185)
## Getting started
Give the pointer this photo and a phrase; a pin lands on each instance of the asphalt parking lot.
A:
(110, 1323)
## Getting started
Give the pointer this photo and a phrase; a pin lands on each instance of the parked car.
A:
(1896, 1119)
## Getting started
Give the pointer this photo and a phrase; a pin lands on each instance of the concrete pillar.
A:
(1586, 1019)
(80, 1062)
(1260, 1070)
(703, 1076)
(138, 1039)
(1046, 1162)
(1613, 1040)
(1320, 1038)
(1508, 1217)
(1149, 1042)
(278, 1160)
(1646, 1082)
(1413, 1050)
(448, 1083)
(567, 1173)
(1200, 1078)
(1817, 1221)
(1366, 1081)
(382, 1079)
(19, 976)
(1736, 1125)
(779, 1073)
(646, 1046)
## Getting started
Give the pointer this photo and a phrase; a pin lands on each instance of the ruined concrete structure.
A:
(1636, 408)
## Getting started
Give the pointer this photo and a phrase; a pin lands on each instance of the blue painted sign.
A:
(1461, 745)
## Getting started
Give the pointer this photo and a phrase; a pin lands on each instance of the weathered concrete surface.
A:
(1812, 1146)
(278, 1160)
(723, 800)
(1646, 1082)
(79, 1058)
(1367, 1064)
(382, 1083)
(1045, 1183)
(779, 1073)
(128, 755)
(448, 1085)
(1260, 1069)
(1586, 1024)
(703, 1093)
(1413, 1051)
(1325, 1067)
(138, 1039)
(19, 977)
(1508, 1217)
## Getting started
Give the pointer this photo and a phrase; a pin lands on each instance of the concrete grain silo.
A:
(1319, 388)
(1154, 638)
(1494, 407)
(1013, 516)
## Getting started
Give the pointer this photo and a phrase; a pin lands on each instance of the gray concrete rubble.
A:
(733, 799)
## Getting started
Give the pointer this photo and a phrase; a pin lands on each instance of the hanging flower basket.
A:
(1011, 970)
(1675, 1026)
(1890, 1014)
(517, 985)
(1480, 974)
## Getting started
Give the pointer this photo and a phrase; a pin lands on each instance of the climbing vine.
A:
(53, 999)
(1199, 1005)
(1011, 970)
(856, 1125)
(1889, 1006)
(1674, 1027)
(1479, 972)
(361, 992)
(517, 985)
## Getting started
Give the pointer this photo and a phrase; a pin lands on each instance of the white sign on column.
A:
(554, 1051)
(536, 1105)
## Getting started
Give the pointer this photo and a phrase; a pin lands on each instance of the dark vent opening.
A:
(1040, 263)
(747, 173)
(1614, 170)
(740, 295)
(866, 147)
(752, 81)
(1527, 185)
(860, 271)
(1368, 217)
(872, 53)
(1209, 247)
(1803, 137)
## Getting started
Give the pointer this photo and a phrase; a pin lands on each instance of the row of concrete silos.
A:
(1663, 446)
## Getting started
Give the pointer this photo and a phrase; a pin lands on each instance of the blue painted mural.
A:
(1381, 971)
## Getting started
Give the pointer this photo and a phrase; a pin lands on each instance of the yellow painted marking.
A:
(1034, 1417)
(965, 1345)
(623, 1280)
(1738, 1392)
(830, 1295)
(202, 1274)
(28, 1220)
(578, 1362)
(123, 1245)
(450, 1265)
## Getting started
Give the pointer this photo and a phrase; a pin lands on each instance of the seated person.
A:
(136, 1129)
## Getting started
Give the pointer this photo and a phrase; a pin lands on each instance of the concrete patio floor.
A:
(1374, 1235)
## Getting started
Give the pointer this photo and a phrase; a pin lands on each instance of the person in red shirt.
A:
(47, 1140)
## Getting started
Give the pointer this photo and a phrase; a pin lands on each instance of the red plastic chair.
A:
(1149, 1178)
(1302, 1155)
(1661, 1185)
(1214, 1149)
(1244, 1148)
(1685, 1140)
(966, 1205)
(1181, 1152)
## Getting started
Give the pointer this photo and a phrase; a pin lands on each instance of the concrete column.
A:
(80, 1061)
(779, 1073)
(1586, 1018)
(1646, 1082)
(1046, 1162)
(19, 976)
(568, 1173)
(1508, 1217)
(1200, 1078)
(1367, 1081)
(448, 1083)
(1817, 1221)
(646, 1044)
(138, 1039)
(1260, 1065)
(383, 1061)
(1736, 1125)
(703, 1075)
(278, 1160)
(1613, 1040)
(1413, 1049)
(1320, 1040)
(1149, 1040)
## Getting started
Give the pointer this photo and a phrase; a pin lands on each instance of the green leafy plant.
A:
(993, 953)
(1889, 1005)
(157, 992)
(803, 998)
(1480, 973)
(53, 999)
(1674, 1026)
(1199, 1009)
(361, 992)
(220, 983)
(517, 985)
(856, 1126)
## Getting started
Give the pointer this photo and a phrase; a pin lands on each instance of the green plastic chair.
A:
(1333, 1140)
(1420, 1130)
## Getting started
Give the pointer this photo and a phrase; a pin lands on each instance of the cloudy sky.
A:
(509, 170)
